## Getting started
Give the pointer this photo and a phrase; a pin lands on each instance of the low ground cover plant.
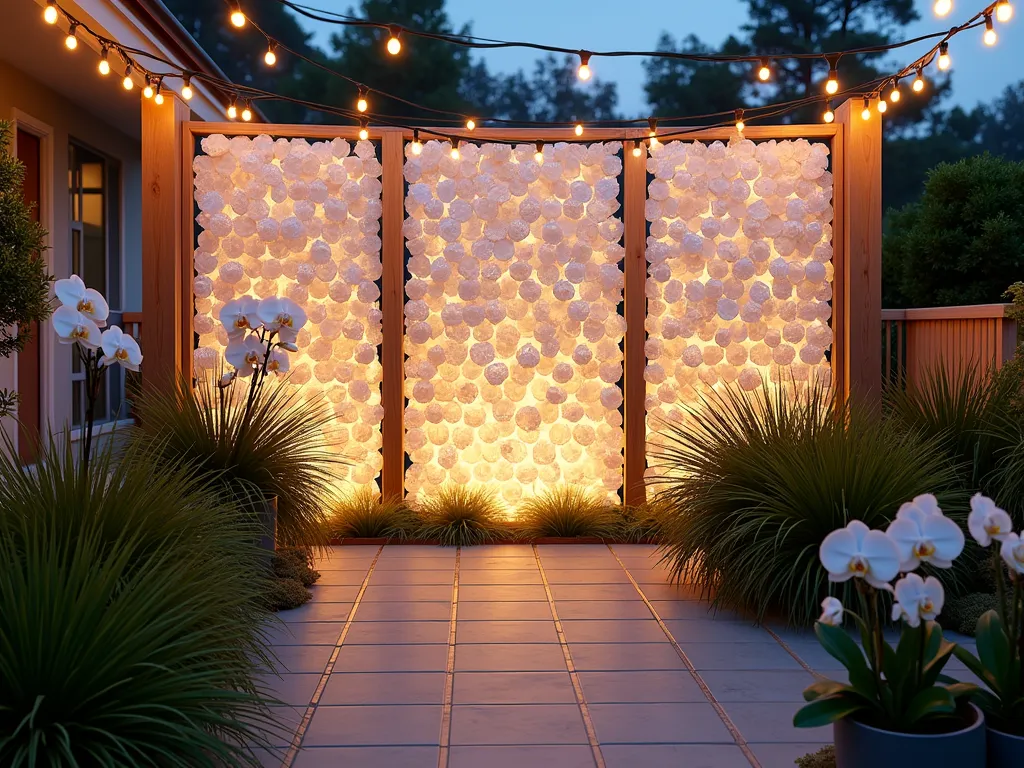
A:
(365, 515)
(460, 516)
(568, 511)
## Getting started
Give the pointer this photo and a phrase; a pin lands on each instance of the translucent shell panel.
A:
(514, 364)
(739, 269)
(302, 220)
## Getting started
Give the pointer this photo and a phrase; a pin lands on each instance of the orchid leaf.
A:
(827, 710)
(843, 649)
(820, 688)
(993, 645)
(974, 665)
(929, 703)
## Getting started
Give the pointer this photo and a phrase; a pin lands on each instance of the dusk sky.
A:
(979, 73)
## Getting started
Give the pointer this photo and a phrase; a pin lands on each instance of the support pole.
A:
(392, 306)
(635, 298)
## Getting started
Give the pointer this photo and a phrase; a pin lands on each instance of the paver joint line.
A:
(314, 702)
(581, 701)
(444, 742)
(741, 742)
(786, 647)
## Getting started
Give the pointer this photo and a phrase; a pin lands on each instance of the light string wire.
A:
(867, 90)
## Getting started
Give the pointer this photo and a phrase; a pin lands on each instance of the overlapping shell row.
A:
(513, 328)
(739, 269)
(302, 220)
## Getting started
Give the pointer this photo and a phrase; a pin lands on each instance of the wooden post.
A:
(162, 280)
(392, 306)
(635, 298)
(860, 239)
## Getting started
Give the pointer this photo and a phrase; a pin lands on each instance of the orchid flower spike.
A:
(73, 326)
(987, 522)
(72, 293)
(831, 612)
(859, 552)
(1012, 551)
(917, 599)
(283, 316)
(245, 355)
(924, 535)
(119, 347)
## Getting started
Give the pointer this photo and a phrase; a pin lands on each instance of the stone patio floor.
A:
(567, 656)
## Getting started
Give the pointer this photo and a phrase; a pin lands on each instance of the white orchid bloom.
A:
(119, 347)
(925, 504)
(858, 552)
(244, 355)
(289, 346)
(239, 315)
(72, 326)
(987, 522)
(282, 315)
(917, 599)
(925, 537)
(226, 379)
(278, 362)
(1012, 550)
(72, 293)
(831, 612)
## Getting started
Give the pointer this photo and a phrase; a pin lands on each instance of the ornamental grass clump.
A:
(458, 515)
(754, 481)
(365, 515)
(567, 511)
(132, 623)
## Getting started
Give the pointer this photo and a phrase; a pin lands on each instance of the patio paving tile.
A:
(506, 632)
(498, 657)
(368, 757)
(774, 723)
(639, 687)
(504, 611)
(341, 578)
(305, 633)
(717, 630)
(711, 655)
(295, 690)
(513, 688)
(302, 658)
(783, 755)
(392, 658)
(499, 562)
(397, 633)
(416, 564)
(687, 609)
(662, 591)
(510, 593)
(675, 756)
(582, 576)
(419, 611)
(286, 722)
(677, 723)
(517, 724)
(500, 576)
(579, 563)
(406, 593)
(408, 578)
(414, 551)
(385, 725)
(316, 610)
(613, 631)
(384, 688)
(754, 686)
(562, 756)
(602, 609)
(593, 592)
(342, 593)
(624, 656)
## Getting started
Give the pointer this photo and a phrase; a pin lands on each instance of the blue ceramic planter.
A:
(1005, 750)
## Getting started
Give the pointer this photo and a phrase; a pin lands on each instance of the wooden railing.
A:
(915, 341)
(131, 323)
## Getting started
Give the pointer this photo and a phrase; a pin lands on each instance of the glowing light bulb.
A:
(158, 97)
(866, 112)
(583, 73)
(455, 149)
(470, 124)
(942, 7)
(270, 57)
(764, 73)
(740, 125)
(637, 149)
(539, 154)
(186, 90)
(237, 18)
(104, 65)
(652, 131)
(578, 130)
(128, 83)
(882, 106)
(832, 84)
(417, 145)
(894, 94)
(1004, 11)
(990, 37)
(71, 41)
(232, 110)
(394, 44)
(50, 12)
(918, 85)
(361, 103)
(247, 112)
(944, 60)
(830, 114)
(364, 132)
(148, 90)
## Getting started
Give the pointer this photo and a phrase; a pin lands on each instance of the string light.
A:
(578, 130)
(394, 44)
(764, 74)
(894, 94)
(50, 12)
(361, 103)
(942, 7)
(158, 97)
(539, 154)
(637, 149)
(270, 57)
(583, 73)
(882, 105)
(944, 60)
(652, 131)
(990, 36)
(364, 132)
(455, 149)
(128, 83)
(232, 109)
(832, 84)
(918, 84)
(148, 90)
(417, 145)
(470, 124)
(1004, 11)
(830, 114)
(186, 89)
(104, 65)
(866, 112)
(247, 111)
(237, 17)
(71, 41)
(740, 125)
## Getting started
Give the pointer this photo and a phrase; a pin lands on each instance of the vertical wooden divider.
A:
(392, 305)
(634, 295)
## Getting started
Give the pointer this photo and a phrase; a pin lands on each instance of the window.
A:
(94, 186)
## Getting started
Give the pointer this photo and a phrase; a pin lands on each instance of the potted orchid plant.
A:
(83, 312)
(1000, 636)
(260, 334)
(897, 704)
